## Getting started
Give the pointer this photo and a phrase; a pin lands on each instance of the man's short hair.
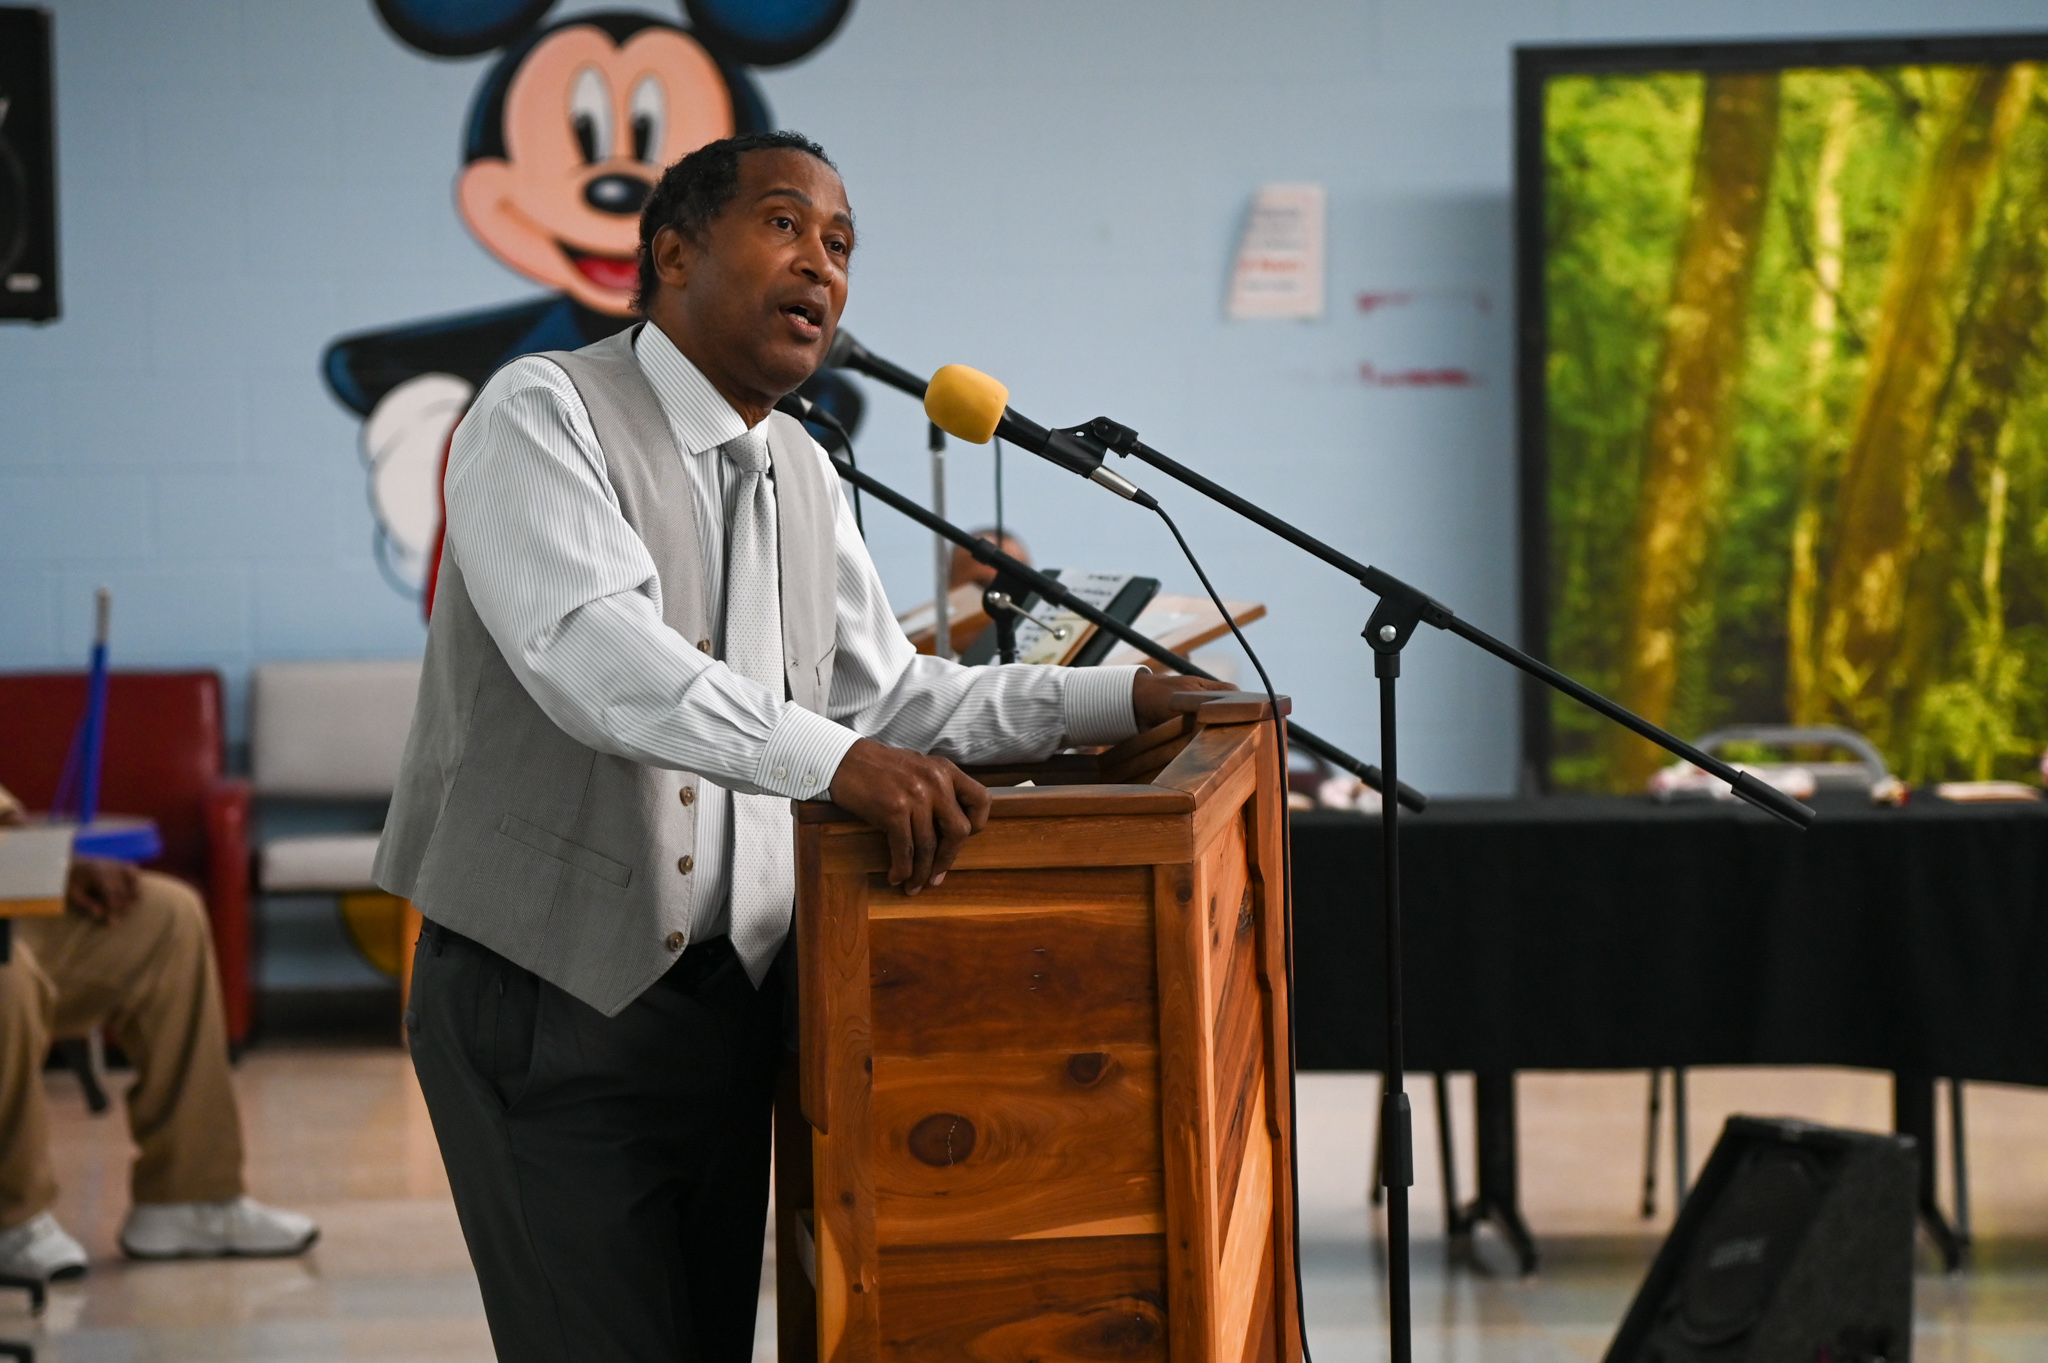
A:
(695, 190)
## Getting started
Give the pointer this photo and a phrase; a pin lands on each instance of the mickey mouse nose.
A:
(620, 194)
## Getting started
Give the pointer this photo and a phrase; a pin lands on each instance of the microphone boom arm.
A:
(1402, 607)
(1051, 590)
(847, 353)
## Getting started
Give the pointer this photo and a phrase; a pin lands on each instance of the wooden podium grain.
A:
(1044, 1105)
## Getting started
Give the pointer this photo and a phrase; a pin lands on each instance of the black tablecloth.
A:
(1597, 934)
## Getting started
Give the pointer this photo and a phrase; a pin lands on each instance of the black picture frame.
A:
(28, 167)
(1537, 64)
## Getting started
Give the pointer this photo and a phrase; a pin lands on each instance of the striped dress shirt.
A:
(570, 595)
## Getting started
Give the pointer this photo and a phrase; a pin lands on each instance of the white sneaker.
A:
(40, 1248)
(213, 1230)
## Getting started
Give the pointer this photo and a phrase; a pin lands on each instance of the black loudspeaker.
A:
(1796, 1246)
(28, 168)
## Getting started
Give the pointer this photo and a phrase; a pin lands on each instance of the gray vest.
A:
(503, 827)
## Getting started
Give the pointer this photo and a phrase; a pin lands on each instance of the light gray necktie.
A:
(763, 860)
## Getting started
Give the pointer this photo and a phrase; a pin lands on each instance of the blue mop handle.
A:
(93, 748)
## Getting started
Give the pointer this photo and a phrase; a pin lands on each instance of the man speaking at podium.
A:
(656, 625)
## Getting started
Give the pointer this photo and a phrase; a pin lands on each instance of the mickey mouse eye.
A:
(590, 114)
(650, 112)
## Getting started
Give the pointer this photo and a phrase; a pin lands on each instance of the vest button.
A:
(686, 864)
(675, 941)
(703, 645)
(688, 795)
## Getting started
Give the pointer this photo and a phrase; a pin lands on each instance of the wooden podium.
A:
(1043, 1107)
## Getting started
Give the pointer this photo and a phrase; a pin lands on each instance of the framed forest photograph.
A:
(1784, 397)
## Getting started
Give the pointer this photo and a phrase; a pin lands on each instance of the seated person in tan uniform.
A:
(133, 952)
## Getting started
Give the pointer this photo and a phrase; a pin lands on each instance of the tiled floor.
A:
(342, 1134)
(1581, 1184)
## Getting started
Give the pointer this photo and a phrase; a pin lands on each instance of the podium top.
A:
(1227, 707)
(1168, 769)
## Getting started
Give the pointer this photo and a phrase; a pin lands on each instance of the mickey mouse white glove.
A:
(403, 442)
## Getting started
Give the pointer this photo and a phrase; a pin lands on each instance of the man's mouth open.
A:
(805, 319)
(621, 274)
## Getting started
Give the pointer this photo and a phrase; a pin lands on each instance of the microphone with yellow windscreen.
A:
(966, 403)
(969, 405)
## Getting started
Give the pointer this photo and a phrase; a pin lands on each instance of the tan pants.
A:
(150, 977)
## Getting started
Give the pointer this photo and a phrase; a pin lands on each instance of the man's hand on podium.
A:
(1153, 692)
(926, 805)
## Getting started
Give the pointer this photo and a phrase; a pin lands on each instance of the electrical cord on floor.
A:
(1286, 919)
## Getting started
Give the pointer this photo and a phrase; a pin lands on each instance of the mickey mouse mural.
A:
(565, 138)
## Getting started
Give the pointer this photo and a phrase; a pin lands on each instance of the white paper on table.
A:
(1182, 624)
(35, 862)
(1279, 269)
(1038, 644)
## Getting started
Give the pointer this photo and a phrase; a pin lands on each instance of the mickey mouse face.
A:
(574, 124)
(588, 124)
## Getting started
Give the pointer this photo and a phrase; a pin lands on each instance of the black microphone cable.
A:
(1286, 921)
(815, 413)
(847, 443)
(807, 412)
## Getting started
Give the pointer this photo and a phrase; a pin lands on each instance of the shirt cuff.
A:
(1098, 704)
(802, 754)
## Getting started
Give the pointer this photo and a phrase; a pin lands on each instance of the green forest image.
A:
(1797, 413)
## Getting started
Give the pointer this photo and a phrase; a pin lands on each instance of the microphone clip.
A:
(1091, 441)
(1111, 435)
(1075, 449)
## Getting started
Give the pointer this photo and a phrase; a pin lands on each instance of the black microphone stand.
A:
(1000, 604)
(1400, 609)
(1051, 589)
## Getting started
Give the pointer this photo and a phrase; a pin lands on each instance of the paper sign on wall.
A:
(1279, 270)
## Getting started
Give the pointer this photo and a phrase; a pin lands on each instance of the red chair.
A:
(164, 758)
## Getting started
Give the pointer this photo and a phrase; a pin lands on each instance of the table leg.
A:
(38, 1297)
(1447, 1153)
(1681, 1148)
(1376, 1194)
(1499, 1196)
(1913, 1115)
(1650, 1145)
(1959, 1167)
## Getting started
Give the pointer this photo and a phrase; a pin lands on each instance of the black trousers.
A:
(611, 1174)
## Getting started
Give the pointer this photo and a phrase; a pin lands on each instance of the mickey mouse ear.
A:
(460, 28)
(766, 32)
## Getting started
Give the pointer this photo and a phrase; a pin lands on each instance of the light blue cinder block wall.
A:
(1049, 191)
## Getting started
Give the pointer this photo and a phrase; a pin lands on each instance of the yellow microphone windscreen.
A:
(966, 403)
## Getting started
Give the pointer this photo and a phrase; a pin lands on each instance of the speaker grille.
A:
(1747, 1239)
(1796, 1246)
